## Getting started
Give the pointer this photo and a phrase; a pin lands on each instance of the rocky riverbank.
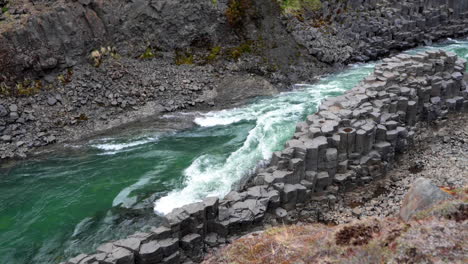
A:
(71, 69)
(440, 153)
(436, 232)
(352, 141)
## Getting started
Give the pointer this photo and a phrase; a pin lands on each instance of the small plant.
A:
(236, 12)
(148, 54)
(295, 6)
(66, 78)
(28, 87)
(237, 52)
(184, 58)
(214, 53)
(98, 55)
(5, 89)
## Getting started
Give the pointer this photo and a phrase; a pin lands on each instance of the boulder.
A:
(422, 195)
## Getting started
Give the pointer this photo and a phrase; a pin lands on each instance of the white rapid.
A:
(274, 118)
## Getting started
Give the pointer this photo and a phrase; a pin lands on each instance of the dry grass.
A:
(438, 235)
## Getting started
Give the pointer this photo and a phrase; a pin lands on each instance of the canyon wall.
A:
(352, 140)
(48, 36)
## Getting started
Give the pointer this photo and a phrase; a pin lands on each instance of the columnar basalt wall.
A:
(359, 30)
(39, 41)
(351, 141)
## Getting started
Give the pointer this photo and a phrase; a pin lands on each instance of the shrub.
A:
(236, 52)
(184, 58)
(237, 11)
(214, 53)
(148, 54)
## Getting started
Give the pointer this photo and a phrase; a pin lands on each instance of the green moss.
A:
(214, 54)
(184, 58)
(148, 54)
(4, 9)
(295, 6)
(238, 51)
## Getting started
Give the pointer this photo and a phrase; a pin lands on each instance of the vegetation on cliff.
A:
(436, 235)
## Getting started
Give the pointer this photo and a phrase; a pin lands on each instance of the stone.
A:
(121, 256)
(281, 213)
(422, 195)
(323, 180)
(211, 207)
(289, 196)
(51, 101)
(13, 108)
(356, 212)
(192, 245)
(169, 246)
(6, 138)
(161, 232)
(132, 244)
(3, 111)
(77, 259)
(150, 252)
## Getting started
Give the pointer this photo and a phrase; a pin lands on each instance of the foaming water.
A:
(112, 146)
(72, 201)
(211, 175)
(274, 117)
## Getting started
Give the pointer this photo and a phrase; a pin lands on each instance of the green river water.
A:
(71, 201)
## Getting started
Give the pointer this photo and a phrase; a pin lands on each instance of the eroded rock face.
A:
(63, 33)
(362, 30)
(422, 195)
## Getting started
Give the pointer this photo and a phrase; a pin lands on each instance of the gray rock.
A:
(78, 258)
(121, 256)
(192, 245)
(281, 213)
(51, 101)
(422, 195)
(13, 108)
(161, 232)
(3, 111)
(150, 252)
(132, 244)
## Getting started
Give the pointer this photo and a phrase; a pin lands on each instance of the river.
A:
(69, 202)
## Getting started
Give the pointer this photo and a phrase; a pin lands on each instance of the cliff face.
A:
(360, 30)
(60, 34)
(39, 37)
